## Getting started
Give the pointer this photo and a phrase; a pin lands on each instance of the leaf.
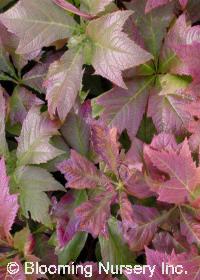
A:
(21, 102)
(190, 226)
(94, 214)
(8, 203)
(183, 3)
(24, 241)
(152, 26)
(189, 262)
(73, 249)
(71, 8)
(184, 175)
(36, 76)
(105, 144)
(124, 109)
(113, 249)
(59, 143)
(189, 55)
(33, 182)
(164, 242)
(3, 143)
(194, 140)
(37, 24)
(67, 222)
(96, 6)
(5, 40)
(33, 142)
(70, 241)
(152, 4)
(113, 51)
(80, 172)
(75, 131)
(145, 224)
(167, 106)
(63, 82)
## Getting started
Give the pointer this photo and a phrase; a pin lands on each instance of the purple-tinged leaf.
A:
(167, 106)
(71, 8)
(148, 23)
(145, 224)
(8, 204)
(124, 109)
(190, 57)
(135, 153)
(184, 175)
(94, 214)
(183, 3)
(37, 24)
(9, 43)
(67, 222)
(36, 76)
(126, 211)
(113, 50)
(161, 142)
(190, 226)
(194, 140)
(164, 141)
(152, 4)
(21, 102)
(189, 262)
(105, 144)
(114, 250)
(164, 242)
(63, 82)
(33, 142)
(137, 186)
(80, 172)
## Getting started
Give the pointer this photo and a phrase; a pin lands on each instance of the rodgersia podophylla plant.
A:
(100, 137)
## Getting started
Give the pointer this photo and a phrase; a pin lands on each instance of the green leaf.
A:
(33, 142)
(95, 6)
(58, 142)
(20, 239)
(113, 249)
(5, 64)
(3, 143)
(73, 249)
(33, 182)
(76, 133)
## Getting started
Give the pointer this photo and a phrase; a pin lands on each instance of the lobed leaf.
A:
(33, 182)
(37, 24)
(113, 51)
(80, 172)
